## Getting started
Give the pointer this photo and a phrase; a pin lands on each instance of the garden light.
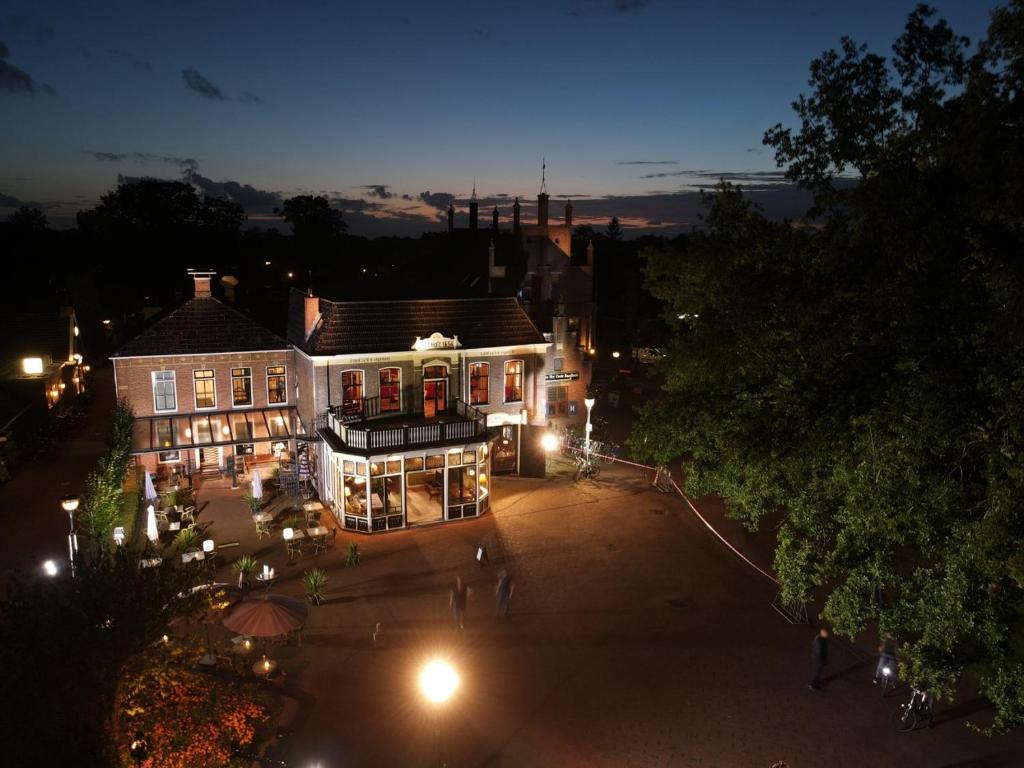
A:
(50, 568)
(438, 681)
(549, 442)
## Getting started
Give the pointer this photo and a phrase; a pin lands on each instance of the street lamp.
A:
(50, 568)
(549, 442)
(139, 749)
(589, 402)
(438, 682)
(69, 504)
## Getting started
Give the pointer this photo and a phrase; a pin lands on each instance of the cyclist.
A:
(886, 657)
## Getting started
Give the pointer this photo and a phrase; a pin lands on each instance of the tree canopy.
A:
(863, 377)
(313, 219)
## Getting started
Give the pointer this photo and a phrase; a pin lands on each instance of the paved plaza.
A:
(635, 639)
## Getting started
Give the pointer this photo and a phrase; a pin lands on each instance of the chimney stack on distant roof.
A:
(568, 213)
(515, 216)
(311, 305)
(202, 282)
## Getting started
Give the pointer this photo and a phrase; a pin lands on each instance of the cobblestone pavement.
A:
(635, 639)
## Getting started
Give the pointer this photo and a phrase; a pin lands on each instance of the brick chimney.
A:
(202, 282)
(312, 313)
(568, 213)
(515, 216)
(542, 209)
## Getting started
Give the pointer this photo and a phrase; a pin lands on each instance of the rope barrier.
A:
(695, 511)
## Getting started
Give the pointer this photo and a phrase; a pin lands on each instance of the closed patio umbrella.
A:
(257, 485)
(148, 489)
(267, 617)
(151, 532)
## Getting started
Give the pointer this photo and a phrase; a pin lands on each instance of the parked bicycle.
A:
(887, 678)
(586, 469)
(920, 708)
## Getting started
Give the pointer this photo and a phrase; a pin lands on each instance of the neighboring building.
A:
(207, 384)
(415, 403)
(40, 358)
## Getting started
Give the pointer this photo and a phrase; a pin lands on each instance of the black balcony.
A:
(366, 430)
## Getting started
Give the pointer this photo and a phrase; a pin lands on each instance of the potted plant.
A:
(186, 539)
(292, 521)
(244, 566)
(353, 554)
(315, 580)
(172, 499)
(254, 503)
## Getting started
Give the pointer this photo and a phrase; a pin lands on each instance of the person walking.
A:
(503, 591)
(819, 658)
(886, 657)
(457, 600)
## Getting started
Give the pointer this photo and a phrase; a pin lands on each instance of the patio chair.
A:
(330, 538)
(262, 529)
(319, 544)
(161, 517)
(189, 514)
(293, 548)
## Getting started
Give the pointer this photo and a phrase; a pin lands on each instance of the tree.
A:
(614, 231)
(863, 380)
(312, 219)
(28, 220)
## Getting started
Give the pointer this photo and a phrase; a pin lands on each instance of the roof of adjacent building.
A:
(202, 326)
(38, 334)
(353, 327)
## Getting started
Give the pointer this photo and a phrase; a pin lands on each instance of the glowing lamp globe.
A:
(549, 442)
(438, 681)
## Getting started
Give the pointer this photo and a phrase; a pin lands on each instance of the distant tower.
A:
(451, 217)
(590, 253)
(494, 219)
(473, 207)
(515, 216)
(542, 198)
(568, 213)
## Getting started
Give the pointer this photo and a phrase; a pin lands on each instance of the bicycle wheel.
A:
(593, 471)
(904, 719)
(610, 450)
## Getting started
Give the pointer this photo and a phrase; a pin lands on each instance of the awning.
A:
(214, 428)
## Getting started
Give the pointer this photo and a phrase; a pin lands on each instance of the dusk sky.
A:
(634, 104)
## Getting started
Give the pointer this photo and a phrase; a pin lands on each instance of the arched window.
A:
(479, 383)
(351, 392)
(390, 389)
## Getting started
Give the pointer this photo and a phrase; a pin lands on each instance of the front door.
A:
(435, 396)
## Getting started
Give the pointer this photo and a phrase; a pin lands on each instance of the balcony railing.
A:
(389, 432)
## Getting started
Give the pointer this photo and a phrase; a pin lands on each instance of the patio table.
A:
(175, 526)
(243, 647)
(264, 667)
(317, 530)
(298, 534)
(262, 517)
(152, 562)
(188, 557)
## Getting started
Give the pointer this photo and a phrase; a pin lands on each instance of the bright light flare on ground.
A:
(549, 442)
(438, 681)
(50, 568)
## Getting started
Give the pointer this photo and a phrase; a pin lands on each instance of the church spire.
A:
(543, 174)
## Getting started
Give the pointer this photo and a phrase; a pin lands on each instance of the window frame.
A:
(521, 375)
(487, 389)
(174, 390)
(362, 390)
(380, 385)
(195, 392)
(284, 375)
(252, 395)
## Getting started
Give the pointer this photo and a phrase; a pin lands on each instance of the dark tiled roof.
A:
(352, 327)
(202, 326)
(34, 335)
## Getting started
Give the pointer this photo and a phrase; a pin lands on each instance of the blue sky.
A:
(262, 100)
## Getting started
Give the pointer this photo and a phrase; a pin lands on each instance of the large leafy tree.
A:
(313, 219)
(864, 377)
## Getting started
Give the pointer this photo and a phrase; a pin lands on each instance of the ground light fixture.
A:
(549, 442)
(69, 504)
(616, 354)
(50, 568)
(438, 681)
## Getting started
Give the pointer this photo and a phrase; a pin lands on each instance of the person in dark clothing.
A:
(457, 601)
(819, 658)
(886, 658)
(503, 591)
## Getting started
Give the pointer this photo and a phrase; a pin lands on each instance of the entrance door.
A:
(435, 396)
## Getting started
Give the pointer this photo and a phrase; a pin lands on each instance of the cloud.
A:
(734, 176)
(408, 197)
(14, 80)
(130, 59)
(186, 164)
(196, 83)
(24, 25)
(355, 204)
(646, 162)
(587, 8)
(247, 196)
(247, 97)
(627, 6)
(9, 201)
(377, 190)
(439, 200)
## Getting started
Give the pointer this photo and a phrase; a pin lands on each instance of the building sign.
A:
(436, 341)
(562, 376)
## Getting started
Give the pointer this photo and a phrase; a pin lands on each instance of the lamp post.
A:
(69, 504)
(589, 402)
(438, 682)
(139, 749)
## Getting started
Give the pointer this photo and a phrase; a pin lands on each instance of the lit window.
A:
(479, 384)
(351, 392)
(32, 365)
(390, 389)
(277, 384)
(241, 386)
(164, 397)
(513, 381)
(206, 395)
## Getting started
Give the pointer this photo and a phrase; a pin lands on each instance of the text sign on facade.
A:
(562, 376)
(436, 341)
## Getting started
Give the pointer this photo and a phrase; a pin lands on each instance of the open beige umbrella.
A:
(267, 617)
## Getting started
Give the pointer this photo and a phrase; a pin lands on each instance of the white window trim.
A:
(469, 383)
(195, 394)
(266, 380)
(174, 386)
(341, 379)
(400, 395)
(252, 392)
(522, 379)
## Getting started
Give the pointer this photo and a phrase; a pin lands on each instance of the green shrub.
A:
(315, 581)
(186, 539)
(244, 564)
(353, 554)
